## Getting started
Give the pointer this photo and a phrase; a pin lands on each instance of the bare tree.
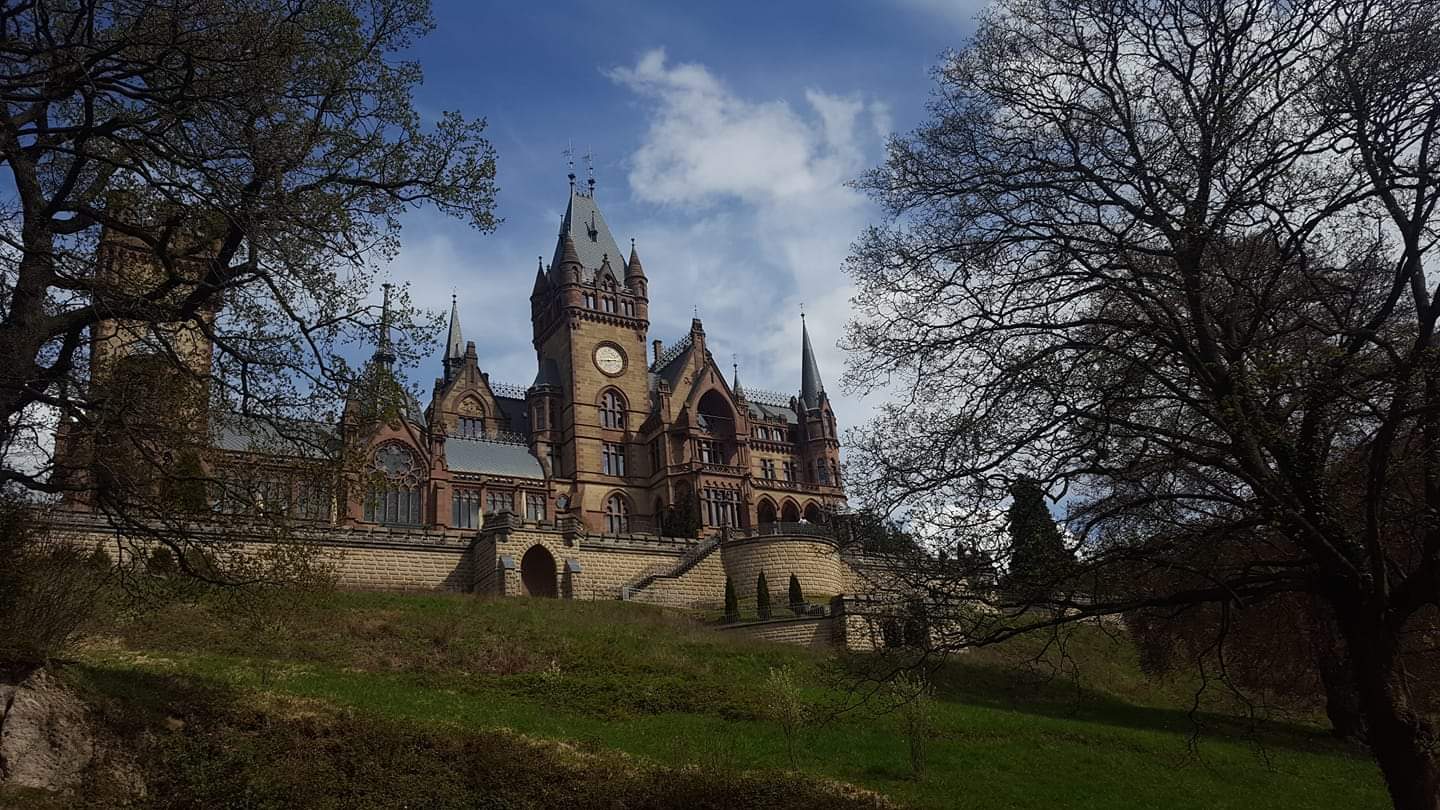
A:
(1168, 259)
(199, 194)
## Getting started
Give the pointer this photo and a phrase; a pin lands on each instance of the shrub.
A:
(912, 692)
(785, 706)
(762, 596)
(162, 561)
(797, 597)
(49, 588)
(732, 605)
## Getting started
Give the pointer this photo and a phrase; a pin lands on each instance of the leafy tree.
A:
(1038, 557)
(681, 519)
(1171, 259)
(222, 179)
(797, 596)
(732, 604)
(874, 533)
(762, 596)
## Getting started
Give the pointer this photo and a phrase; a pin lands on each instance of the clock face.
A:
(609, 360)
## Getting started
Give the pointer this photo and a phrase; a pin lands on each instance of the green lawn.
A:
(684, 702)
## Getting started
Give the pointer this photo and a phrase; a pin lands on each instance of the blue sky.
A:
(723, 135)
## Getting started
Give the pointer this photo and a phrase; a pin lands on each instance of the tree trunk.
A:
(1337, 673)
(1402, 742)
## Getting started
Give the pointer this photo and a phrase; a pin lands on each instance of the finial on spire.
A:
(383, 353)
(569, 153)
(590, 170)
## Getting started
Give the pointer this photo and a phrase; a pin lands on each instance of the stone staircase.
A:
(692, 558)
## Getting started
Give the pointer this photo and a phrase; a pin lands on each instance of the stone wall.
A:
(814, 561)
(816, 632)
(372, 559)
(611, 565)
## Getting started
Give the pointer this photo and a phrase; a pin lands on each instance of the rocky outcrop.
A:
(46, 738)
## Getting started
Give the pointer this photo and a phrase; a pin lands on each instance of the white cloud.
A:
(959, 13)
(753, 214)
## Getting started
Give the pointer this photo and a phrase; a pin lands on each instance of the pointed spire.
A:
(454, 344)
(540, 283)
(632, 267)
(735, 387)
(811, 388)
(384, 354)
(569, 257)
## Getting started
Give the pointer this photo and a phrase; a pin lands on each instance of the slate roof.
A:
(515, 413)
(592, 237)
(759, 410)
(291, 438)
(494, 458)
(548, 373)
(673, 366)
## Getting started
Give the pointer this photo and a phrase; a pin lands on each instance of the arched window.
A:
(813, 513)
(617, 515)
(612, 410)
(790, 513)
(395, 499)
(471, 421)
(766, 511)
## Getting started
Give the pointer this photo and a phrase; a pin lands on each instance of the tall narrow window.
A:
(393, 506)
(535, 507)
(767, 467)
(612, 457)
(465, 508)
(612, 410)
(497, 502)
(617, 515)
(312, 501)
(609, 303)
(589, 300)
(789, 468)
(721, 506)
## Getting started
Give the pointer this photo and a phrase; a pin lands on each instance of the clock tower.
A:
(590, 314)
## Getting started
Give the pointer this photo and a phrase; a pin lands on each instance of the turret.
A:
(635, 274)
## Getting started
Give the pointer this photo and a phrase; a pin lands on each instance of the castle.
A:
(615, 473)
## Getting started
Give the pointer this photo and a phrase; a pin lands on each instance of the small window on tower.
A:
(613, 458)
(630, 308)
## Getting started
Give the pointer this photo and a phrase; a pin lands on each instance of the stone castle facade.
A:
(627, 468)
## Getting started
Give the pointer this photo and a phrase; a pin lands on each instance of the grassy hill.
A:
(437, 701)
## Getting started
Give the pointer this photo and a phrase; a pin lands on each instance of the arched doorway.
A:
(813, 513)
(537, 572)
(765, 512)
(790, 513)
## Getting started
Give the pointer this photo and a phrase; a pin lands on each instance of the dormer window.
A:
(470, 427)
